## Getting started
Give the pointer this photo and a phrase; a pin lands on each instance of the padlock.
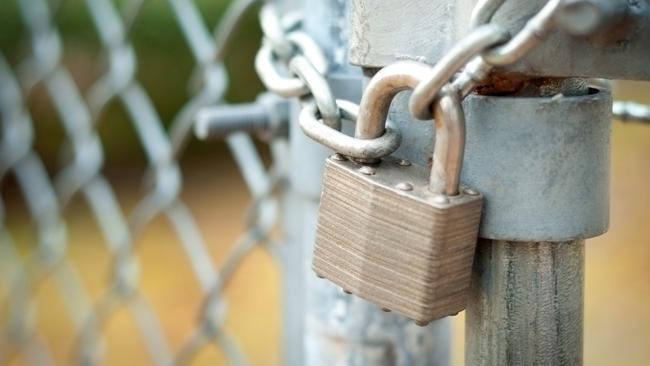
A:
(397, 234)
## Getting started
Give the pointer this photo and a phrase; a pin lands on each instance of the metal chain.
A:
(460, 71)
(282, 41)
(486, 47)
(292, 65)
(358, 148)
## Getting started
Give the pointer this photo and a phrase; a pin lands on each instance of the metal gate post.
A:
(546, 181)
(324, 326)
(526, 304)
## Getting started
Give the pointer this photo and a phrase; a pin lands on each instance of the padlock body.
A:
(405, 250)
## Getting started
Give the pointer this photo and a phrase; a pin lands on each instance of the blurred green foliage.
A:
(165, 65)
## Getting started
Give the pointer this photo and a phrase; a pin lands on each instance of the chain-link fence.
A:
(94, 271)
(30, 262)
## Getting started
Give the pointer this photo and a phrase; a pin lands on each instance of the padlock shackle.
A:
(448, 113)
(449, 149)
(378, 95)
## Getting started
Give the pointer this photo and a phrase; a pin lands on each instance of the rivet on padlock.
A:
(406, 250)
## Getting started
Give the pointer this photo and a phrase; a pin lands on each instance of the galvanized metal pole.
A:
(526, 306)
(526, 302)
(324, 326)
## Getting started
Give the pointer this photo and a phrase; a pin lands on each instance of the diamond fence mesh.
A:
(28, 265)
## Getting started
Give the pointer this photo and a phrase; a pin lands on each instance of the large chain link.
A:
(483, 49)
(292, 65)
(354, 147)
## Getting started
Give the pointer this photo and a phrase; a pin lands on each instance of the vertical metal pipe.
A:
(526, 297)
(526, 304)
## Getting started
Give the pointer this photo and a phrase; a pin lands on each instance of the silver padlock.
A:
(397, 234)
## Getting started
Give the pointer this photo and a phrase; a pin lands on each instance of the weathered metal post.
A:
(526, 304)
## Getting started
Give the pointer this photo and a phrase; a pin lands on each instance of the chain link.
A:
(478, 41)
(350, 146)
(269, 66)
(319, 89)
(484, 48)
(281, 43)
(536, 30)
(483, 12)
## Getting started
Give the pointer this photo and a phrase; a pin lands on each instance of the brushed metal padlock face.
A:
(405, 250)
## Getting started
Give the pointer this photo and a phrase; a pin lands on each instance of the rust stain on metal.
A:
(525, 86)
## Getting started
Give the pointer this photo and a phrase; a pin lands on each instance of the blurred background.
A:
(617, 290)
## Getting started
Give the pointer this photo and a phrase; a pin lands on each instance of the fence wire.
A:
(47, 196)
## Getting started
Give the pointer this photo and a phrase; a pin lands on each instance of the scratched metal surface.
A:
(542, 163)
(381, 37)
(526, 305)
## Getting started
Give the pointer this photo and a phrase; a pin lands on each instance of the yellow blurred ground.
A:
(617, 292)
